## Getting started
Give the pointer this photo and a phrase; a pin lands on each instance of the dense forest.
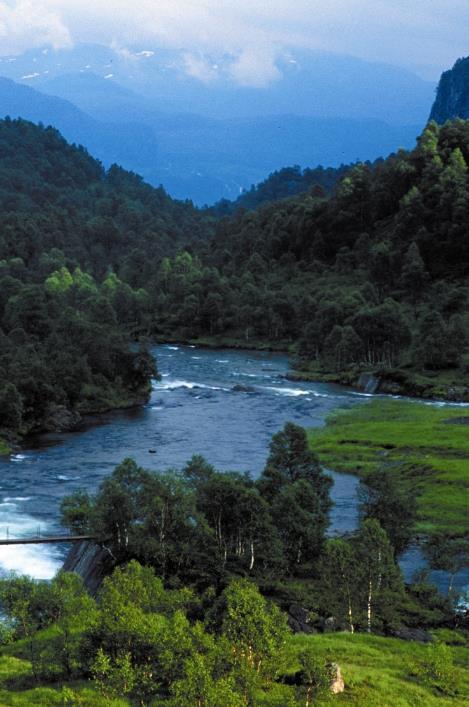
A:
(362, 270)
(65, 317)
(373, 277)
(283, 184)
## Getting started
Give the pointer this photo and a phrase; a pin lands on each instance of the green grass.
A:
(4, 448)
(377, 671)
(386, 432)
(18, 688)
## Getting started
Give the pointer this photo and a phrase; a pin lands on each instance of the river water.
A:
(223, 404)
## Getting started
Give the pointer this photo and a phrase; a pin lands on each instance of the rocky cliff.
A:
(91, 561)
(452, 98)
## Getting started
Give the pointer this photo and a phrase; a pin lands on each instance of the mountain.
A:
(309, 83)
(204, 159)
(452, 98)
(127, 144)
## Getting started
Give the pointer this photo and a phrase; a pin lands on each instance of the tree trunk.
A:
(368, 613)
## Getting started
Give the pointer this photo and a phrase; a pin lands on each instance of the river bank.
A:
(62, 418)
(426, 444)
(443, 385)
(450, 385)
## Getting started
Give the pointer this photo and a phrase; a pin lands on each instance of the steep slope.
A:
(452, 98)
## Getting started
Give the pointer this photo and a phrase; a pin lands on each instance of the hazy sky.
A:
(424, 35)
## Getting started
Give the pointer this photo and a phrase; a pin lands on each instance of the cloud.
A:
(27, 24)
(254, 33)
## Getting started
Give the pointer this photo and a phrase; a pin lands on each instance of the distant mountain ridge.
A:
(200, 158)
(452, 98)
(309, 83)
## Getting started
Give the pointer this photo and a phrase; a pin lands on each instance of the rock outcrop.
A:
(337, 681)
(91, 561)
(452, 98)
(299, 619)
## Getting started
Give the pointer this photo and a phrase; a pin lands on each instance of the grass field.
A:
(378, 672)
(4, 448)
(432, 440)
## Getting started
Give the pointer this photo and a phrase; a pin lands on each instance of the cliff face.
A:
(452, 98)
(92, 562)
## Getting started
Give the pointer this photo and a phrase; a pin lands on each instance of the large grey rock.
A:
(59, 418)
(91, 561)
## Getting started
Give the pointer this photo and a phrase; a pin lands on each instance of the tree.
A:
(255, 629)
(75, 512)
(315, 676)
(378, 582)
(298, 492)
(338, 579)
(11, 407)
(290, 459)
(385, 496)
(414, 274)
(448, 554)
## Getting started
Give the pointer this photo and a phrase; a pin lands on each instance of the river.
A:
(223, 404)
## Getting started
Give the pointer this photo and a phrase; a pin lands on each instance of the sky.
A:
(426, 36)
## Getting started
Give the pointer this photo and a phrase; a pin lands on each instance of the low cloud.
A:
(254, 34)
(27, 25)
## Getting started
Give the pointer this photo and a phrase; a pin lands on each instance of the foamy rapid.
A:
(38, 561)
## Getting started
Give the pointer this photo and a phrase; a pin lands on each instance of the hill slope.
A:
(67, 224)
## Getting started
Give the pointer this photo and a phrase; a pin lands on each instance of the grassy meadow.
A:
(428, 444)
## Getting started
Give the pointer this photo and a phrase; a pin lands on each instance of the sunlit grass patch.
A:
(426, 444)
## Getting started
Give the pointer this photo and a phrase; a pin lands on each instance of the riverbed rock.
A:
(331, 624)
(368, 383)
(337, 681)
(238, 388)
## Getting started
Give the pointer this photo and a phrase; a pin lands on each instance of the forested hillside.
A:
(282, 184)
(374, 278)
(66, 226)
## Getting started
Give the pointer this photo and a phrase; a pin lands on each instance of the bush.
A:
(436, 669)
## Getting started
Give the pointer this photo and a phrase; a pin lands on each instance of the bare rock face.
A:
(452, 98)
(337, 681)
(368, 383)
(92, 562)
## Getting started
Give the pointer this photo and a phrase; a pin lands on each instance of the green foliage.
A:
(255, 629)
(392, 502)
(437, 670)
(424, 447)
